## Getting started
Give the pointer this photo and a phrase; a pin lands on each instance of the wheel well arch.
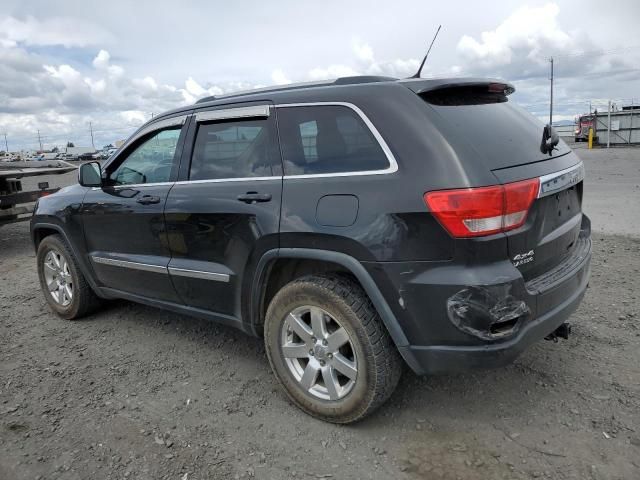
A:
(41, 232)
(280, 266)
(281, 271)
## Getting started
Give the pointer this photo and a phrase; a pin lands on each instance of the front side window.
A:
(149, 162)
(327, 139)
(235, 149)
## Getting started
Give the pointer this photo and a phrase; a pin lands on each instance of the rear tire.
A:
(340, 364)
(65, 288)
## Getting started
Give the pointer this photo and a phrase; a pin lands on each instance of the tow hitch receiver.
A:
(562, 331)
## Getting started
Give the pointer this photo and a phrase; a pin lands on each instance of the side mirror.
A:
(90, 175)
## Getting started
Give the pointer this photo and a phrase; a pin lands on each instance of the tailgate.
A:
(551, 234)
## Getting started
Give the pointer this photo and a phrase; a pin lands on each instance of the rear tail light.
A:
(474, 212)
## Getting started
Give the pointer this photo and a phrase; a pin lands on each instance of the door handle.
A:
(148, 199)
(254, 197)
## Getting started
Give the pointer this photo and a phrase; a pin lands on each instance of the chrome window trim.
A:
(159, 125)
(393, 164)
(133, 185)
(224, 180)
(126, 264)
(557, 181)
(185, 272)
(257, 111)
(152, 127)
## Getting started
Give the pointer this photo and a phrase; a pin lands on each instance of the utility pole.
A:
(551, 96)
(609, 124)
(39, 140)
(6, 145)
(91, 129)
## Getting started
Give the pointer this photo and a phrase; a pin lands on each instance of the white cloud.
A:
(279, 77)
(363, 51)
(101, 61)
(134, 117)
(366, 65)
(65, 31)
(145, 84)
(524, 40)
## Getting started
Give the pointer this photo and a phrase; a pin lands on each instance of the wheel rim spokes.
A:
(58, 277)
(319, 353)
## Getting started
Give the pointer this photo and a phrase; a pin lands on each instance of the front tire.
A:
(65, 288)
(329, 349)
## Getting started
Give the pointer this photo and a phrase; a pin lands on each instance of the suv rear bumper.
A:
(447, 359)
(439, 344)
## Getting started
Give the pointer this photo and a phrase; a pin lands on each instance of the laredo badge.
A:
(523, 258)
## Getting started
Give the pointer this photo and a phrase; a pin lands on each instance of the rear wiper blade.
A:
(549, 140)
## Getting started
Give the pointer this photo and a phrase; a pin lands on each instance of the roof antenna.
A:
(417, 74)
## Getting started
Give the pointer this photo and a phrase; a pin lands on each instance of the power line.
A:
(597, 52)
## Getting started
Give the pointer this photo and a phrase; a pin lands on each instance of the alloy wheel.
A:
(58, 277)
(319, 353)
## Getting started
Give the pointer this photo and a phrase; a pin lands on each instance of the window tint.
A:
(149, 162)
(235, 149)
(327, 139)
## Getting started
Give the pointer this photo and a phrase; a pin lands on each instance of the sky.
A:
(70, 66)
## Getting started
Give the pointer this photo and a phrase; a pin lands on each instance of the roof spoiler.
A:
(420, 86)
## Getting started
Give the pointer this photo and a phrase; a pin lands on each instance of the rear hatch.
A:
(507, 141)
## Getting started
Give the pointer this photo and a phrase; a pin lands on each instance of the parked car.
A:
(357, 225)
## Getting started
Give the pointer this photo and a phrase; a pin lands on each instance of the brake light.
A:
(474, 212)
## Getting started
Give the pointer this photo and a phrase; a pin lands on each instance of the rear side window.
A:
(327, 139)
(235, 149)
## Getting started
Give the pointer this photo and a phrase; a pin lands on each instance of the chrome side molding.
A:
(185, 272)
(126, 264)
(146, 267)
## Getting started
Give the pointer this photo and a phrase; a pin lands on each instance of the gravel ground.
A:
(137, 393)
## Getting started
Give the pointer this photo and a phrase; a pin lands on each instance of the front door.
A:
(224, 212)
(123, 221)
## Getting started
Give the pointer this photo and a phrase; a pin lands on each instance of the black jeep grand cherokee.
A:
(354, 224)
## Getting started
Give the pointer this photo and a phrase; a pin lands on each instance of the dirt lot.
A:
(137, 393)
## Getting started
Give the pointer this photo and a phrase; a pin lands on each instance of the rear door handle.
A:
(254, 197)
(148, 199)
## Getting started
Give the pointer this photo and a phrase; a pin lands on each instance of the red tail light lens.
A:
(474, 212)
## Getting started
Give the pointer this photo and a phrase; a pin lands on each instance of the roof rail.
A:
(354, 80)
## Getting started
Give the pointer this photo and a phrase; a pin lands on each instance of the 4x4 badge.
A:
(522, 258)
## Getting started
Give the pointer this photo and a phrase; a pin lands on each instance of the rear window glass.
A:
(502, 133)
(235, 149)
(327, 139)
(464, 96)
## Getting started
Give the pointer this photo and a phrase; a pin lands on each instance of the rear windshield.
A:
(502, 133)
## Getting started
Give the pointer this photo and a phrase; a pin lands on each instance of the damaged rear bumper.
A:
(458, 318)
(436, 359)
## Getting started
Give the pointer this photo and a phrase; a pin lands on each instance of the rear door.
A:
(224, 213)
(123, 221)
